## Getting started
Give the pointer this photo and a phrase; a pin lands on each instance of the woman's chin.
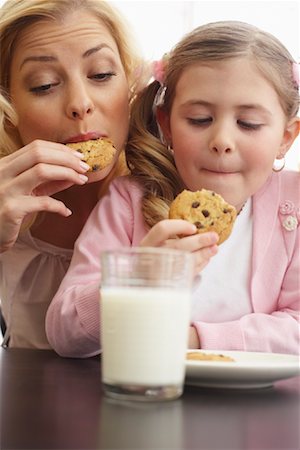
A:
(99, 175)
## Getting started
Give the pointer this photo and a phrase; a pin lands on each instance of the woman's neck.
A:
(61, 231)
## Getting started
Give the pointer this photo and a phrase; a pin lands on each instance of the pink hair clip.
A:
(296, 74)
(159, 69)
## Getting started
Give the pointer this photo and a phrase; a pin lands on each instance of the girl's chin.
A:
(99, 174)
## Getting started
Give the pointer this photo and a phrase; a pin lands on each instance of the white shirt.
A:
(222, 292)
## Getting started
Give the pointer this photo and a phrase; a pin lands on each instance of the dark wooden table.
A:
(49, 402)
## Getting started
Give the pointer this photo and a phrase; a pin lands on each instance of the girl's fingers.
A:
(195, 242)
(165, 230)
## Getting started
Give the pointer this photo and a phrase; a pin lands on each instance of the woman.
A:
(66, 75)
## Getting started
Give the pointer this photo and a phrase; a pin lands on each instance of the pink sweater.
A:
(72, 321)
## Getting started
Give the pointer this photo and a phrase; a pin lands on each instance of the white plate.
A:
(249, 370)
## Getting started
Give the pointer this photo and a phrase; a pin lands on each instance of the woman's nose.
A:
(80, 104)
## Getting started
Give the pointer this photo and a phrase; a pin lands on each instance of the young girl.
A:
(67, 74)
(227, 113)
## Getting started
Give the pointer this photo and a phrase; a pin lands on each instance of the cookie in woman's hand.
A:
(98, 153)
(207, 210)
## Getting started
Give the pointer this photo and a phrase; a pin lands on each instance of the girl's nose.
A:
(79, 104)
(222, 140)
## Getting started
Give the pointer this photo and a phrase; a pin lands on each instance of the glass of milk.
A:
(145, 312)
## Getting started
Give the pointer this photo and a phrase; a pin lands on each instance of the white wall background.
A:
(159, 24)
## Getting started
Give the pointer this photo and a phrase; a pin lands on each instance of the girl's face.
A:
(226, 128)
(68, 83)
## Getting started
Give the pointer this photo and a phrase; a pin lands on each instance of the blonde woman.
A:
(67, 74)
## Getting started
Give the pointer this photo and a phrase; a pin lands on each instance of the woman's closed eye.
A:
(103, 76)
(43, 88)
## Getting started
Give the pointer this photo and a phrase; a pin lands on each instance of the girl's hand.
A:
(28, 177)
(194, 341)
(164, 234)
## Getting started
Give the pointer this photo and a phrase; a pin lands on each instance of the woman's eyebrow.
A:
(48, 58)
(95, 50)
(41, 58)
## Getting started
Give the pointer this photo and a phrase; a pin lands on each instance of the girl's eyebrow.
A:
(256, 107)
(247, 107)
(48, 58)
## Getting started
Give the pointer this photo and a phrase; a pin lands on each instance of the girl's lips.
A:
(84, 137)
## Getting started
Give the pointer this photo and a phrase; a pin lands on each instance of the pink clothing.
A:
(72, 321)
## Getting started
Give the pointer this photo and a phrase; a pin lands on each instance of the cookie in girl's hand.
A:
(205, 209)
(98, 153)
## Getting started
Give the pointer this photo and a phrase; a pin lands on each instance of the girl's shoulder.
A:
(125, 185)
(289, 186)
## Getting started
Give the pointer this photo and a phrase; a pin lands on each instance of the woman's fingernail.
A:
(84, 178)
(84, 165)
(78, 154)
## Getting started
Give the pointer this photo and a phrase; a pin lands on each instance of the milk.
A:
(144, 335)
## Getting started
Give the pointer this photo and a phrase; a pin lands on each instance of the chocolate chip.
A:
(199, 225)
(205, 212)
(225, 211)
(95, 167)
(195, 204)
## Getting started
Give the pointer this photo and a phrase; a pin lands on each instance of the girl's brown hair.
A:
(152, 165)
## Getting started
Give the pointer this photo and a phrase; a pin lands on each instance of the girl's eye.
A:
(249, 125)
(43, 89)
(199, 122)
(103, 76)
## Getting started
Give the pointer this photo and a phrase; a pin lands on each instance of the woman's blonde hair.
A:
(150, 162)
(16, 15)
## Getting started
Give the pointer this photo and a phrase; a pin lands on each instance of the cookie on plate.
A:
(205, 209)
(98, 153)
(201, 356)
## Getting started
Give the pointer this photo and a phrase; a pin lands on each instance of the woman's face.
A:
(68, 83)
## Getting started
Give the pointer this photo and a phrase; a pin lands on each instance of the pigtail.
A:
(150, 162)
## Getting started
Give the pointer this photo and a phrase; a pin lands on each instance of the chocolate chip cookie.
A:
(98, 153)
(201, 356)
(205, 209)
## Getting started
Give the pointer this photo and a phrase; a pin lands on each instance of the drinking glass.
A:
(145, 313)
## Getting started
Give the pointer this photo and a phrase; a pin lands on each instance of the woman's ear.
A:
(290, 134)
(163, 120)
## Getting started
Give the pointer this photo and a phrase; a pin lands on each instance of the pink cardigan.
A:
(72, 321)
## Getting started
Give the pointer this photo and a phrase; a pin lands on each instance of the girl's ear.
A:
(291, 132)
(163, 120)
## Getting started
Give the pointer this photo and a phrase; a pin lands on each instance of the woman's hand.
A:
(28, 178)
(164, 234)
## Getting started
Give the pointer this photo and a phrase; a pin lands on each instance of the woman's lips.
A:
(84, 137)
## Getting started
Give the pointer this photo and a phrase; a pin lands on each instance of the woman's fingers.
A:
(14, 210)
(41, 152)
(38, 180)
